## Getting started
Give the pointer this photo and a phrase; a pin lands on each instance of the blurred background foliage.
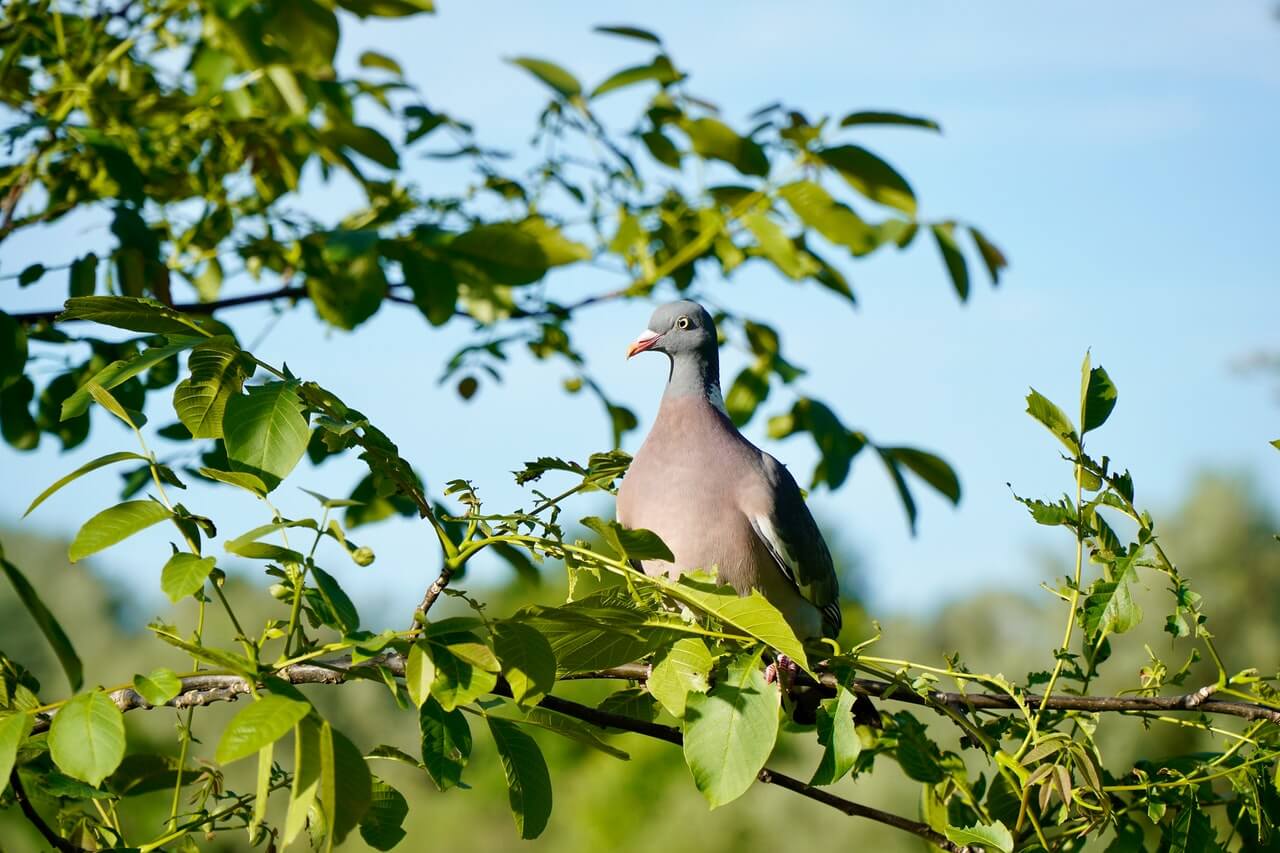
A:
(1222, 531)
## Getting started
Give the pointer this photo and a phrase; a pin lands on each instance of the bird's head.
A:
(676, 329)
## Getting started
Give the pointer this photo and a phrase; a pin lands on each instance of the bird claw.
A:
(782, 671)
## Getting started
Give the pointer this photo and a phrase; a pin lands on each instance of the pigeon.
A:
(716, 500)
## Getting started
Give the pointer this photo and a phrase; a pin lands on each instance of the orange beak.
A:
(647, 340)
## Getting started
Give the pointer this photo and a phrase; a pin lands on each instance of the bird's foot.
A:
(783, 671)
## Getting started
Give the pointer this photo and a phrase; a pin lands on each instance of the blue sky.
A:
(1122, 155)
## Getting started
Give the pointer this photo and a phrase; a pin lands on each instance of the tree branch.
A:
(57, 842)
(827, 683)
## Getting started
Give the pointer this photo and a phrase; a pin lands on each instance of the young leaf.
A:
(264, 721)
(751, 614)
(528, 782)
(568, 727)
(184, 574)
(262, 789)
(560, 80)
(117, 372)
(944, 233)
(86, 738)
(833, 220)
(528, 663)
(715, 140)
(313, 756)
(48, 625)
(265, 431)
(339, 603)
(14, 728)
(840, 741)
(158, 686)
(419, 672)
(730, 731)
(681, 670)
(995, 836)
(629, 544)
(463, 673)
(873, 117)
(1054, 419)
(446, 743)
(115, 525)
(1097, 398)
(93, 465)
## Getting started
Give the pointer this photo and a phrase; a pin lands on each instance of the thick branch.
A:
(1194, 701)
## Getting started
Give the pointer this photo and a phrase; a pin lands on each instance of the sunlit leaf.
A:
(729, 731)
(528, 782)
(115, 525)
(86, 738)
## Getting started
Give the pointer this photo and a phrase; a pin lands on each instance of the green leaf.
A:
(682, 669)
(387, 8)
(13, 350)
(629, 32)
(833, 220)
(1109, 608)
(239, 479)
(870, 176)
(259, 723)
(661, 148)
(93, 465)
(126, 312)
(528, 663)
(265, 431)
(528, 782)
(838, 737)
(82, 278)
(446, 743)
(560, 80)
(352, 789)
(751, 614)
(992, 257)
(184, 574)
(462, 673)
(995, 836)
(86, 738)
(262, 790)
(944, 233)
(1054, 419)
(729, 731)
(313, 760)
(14, 728)
(918, 756)
(119, 372)
(343, 609)
(568, 727)
(158, 686)
(660, 71)
(781, 250)
(373, 59)
(748, 391)
(200, 400)
(419, 672)
(715, 140)
(1097, 398)
(930, 468)
(629, 544)
(382, 825)
(44, 619)
(30, 275)
(874, 117)
(115, 525)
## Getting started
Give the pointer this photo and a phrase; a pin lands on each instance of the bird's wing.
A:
(792, 537)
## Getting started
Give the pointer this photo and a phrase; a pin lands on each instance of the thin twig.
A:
(29, 811)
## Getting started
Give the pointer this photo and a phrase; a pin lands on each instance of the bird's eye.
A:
(682, 323)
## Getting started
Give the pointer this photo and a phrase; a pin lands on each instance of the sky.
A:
(1123, 155)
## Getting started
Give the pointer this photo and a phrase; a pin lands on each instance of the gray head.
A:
(686, 334)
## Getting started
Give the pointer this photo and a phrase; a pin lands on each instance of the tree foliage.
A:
(199, 161)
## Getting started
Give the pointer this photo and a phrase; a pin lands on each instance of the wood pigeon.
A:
(713, 497)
